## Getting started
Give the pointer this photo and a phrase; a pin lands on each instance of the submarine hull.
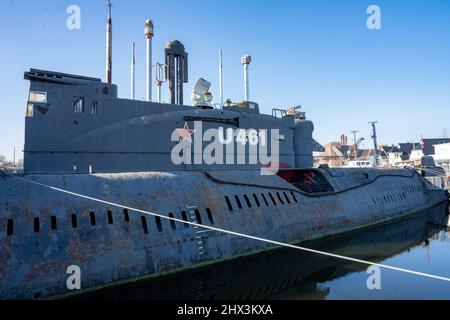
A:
(45, 231)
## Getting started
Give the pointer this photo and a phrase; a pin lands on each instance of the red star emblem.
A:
(186, 133)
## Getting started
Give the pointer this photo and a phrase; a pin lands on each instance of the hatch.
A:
(308, 180)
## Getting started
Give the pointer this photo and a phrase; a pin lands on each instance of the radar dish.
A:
(201, 96)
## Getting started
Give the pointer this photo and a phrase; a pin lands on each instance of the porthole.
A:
(172, 222)
(256, 200)
(230, 207)
(247, 200)
(287, 198)
(110, 217)
(158, 224)
(280, 198)
(185, 218)
(144, 224)
(74, 221)
(126, 215)
(210, 216)
(265, 200)
(293, 196)
(53, 223)
(198, 217)
(272, 198)
(93, 219)
(238, 202)
(37, 225)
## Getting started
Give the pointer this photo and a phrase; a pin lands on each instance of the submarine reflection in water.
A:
(292, 274)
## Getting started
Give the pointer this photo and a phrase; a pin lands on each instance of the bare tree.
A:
(9, 166)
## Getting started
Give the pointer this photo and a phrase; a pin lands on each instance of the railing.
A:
(293, 112)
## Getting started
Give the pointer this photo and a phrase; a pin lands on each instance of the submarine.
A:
(123, 190)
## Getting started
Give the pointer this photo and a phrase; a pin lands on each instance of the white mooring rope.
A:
(281, 244)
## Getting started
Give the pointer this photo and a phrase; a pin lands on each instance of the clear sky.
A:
(316, 53)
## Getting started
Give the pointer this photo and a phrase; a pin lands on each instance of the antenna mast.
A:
(133, 71)
(375, 144)
(160, 72)
(149, 32)
(109, 44)
(221, 76)
(246, 60)
(355, 144)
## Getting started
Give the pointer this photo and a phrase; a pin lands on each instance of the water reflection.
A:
(291, 274)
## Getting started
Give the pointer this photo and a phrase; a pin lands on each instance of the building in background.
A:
(426, 148)
(393, 155)
(442, 156)
(341, 154)
(413, 152)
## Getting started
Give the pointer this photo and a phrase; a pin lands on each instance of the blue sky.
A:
(316, 53)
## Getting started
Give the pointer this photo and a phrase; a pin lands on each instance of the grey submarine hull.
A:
(43, 232)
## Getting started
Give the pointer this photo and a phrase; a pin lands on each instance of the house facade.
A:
(442, 156)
